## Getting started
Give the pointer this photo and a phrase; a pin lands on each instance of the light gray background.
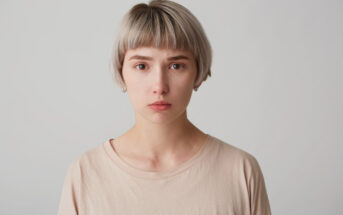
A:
(276, 92)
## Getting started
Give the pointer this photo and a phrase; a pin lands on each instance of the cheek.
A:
(134, 87)
(185, 83)
(183, 88)
(131, 79)
(135, 91)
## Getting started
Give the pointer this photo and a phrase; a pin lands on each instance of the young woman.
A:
(163, 164)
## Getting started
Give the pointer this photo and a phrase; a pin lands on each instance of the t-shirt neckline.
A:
(123, 165)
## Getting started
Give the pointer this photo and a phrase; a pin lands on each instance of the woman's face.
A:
(152, 74)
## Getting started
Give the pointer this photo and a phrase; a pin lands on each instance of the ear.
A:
(122, 80)
(198, 85)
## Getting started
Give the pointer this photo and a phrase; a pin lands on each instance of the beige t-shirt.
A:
(220, 179)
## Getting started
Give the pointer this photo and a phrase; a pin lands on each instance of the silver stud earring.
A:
(123, 89)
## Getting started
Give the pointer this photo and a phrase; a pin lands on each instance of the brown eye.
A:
(140, 66)
(176, 66)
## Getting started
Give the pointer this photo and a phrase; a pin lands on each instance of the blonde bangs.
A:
(154, 28)
(162, 24)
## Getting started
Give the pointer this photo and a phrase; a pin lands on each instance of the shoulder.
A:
(236, 159)
(89, 159)
(232, 152)
(245, 175)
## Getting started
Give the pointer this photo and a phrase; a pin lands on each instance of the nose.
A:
(160, 84)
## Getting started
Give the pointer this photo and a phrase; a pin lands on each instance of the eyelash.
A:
(182, 66)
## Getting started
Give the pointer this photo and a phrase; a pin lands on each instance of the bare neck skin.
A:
(153, 146)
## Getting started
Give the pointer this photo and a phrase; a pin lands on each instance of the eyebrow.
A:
(141, 57)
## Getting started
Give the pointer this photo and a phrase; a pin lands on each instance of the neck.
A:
(157, 140)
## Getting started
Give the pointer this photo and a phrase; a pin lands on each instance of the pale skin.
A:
(159, 140)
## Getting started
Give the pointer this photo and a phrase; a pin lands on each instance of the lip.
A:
(160, 107)
(160, 102)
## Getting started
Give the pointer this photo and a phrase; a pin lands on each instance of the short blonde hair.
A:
(162, 24)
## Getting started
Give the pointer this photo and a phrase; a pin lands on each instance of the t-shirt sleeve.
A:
(259, 202)
(70, 191)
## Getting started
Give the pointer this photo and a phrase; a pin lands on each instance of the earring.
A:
(123, 89)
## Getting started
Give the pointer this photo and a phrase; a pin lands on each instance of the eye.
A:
(140, 66)
(176, 66)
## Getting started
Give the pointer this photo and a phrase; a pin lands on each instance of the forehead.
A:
(158, 53)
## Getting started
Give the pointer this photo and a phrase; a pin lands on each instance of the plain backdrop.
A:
(275, 92)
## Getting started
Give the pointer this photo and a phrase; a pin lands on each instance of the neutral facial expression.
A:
(152, 74)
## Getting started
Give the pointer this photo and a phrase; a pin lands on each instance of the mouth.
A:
(160, 107)
(161, 102)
